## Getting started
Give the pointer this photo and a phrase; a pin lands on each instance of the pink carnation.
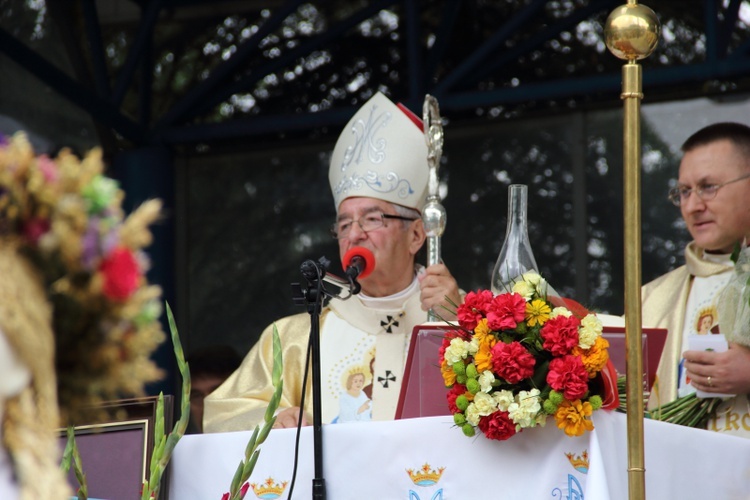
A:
(512, 362)
(506, 311)
(474, 308)
(568, 375)
(48, 169)
(560, 334)
(498, 426)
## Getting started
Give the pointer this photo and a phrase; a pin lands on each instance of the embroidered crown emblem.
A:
(579, 462)
(425, 476)
(269, 489)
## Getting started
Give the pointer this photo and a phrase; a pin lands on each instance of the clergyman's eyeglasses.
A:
(369, 222)
(680, 194)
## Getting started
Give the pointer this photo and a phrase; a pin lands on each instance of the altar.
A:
(430, 459)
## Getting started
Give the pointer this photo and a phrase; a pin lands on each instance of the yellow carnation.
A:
(486, 341)
(537, 312)
(483, 357)
(572, 417)
(482, 330)
(449, 376)
(594, 358)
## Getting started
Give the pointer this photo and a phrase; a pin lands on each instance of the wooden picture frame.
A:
(116, 454)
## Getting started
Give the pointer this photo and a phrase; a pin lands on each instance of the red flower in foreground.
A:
(560, 334)
(512, 362)
(498, 426)
(121, 274)
(243, 490)
(474, 308)
(35, 228)
(568, 376)
(506, 311)
(225, 496)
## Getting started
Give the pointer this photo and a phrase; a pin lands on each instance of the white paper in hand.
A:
(715, 343)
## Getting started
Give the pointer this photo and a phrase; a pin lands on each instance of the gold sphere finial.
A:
(632, 31)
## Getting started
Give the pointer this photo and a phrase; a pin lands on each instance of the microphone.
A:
(358, 262)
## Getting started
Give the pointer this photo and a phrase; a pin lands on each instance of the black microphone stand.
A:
(313, 296)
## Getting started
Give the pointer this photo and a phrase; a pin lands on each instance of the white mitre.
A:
(381, 153)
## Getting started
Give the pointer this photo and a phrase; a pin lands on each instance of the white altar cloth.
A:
(370, 461)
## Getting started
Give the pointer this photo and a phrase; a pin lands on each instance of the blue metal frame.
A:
(456, 90)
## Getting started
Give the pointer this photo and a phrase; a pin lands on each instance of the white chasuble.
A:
(364, 343)
(701, 312)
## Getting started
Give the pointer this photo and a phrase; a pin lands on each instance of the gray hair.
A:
(406, 212)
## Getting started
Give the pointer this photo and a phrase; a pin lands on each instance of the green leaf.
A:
(237, 478)
(164, 445)
(277, 362)
(77, 465)
(68, 451)
(246, 466)
(250, 465)
(252, 442)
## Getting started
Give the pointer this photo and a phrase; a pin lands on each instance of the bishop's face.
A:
(393, 245)
(717, 224)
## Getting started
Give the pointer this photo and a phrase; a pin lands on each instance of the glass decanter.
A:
(515, 256)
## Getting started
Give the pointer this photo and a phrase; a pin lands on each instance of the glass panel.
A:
(254, 218)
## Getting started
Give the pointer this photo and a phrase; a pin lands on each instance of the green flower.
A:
(595, 402)
(100, 193)
(556, 397)
(472, 385)
(462, 402)
(549, 407)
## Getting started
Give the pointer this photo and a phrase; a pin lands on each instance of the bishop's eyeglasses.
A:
(369, 222)
(679, 195)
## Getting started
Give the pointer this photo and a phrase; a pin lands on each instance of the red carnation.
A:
(506, 311)
(568, 375)
(560, 334)
(121, 274)
(35, 228)
(474, 308)
(498, 426)
(512, 362)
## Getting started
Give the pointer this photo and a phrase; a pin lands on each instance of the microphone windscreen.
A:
(365, 254)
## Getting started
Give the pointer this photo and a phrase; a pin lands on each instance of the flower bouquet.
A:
(64, 218)
(519, 357)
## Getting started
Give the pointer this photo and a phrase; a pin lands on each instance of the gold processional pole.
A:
(433, 215)
(631, 33)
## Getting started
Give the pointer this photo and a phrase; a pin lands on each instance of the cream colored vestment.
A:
(357, 335)
(664, 301)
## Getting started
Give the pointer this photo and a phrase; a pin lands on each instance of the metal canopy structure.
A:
(253, 68)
